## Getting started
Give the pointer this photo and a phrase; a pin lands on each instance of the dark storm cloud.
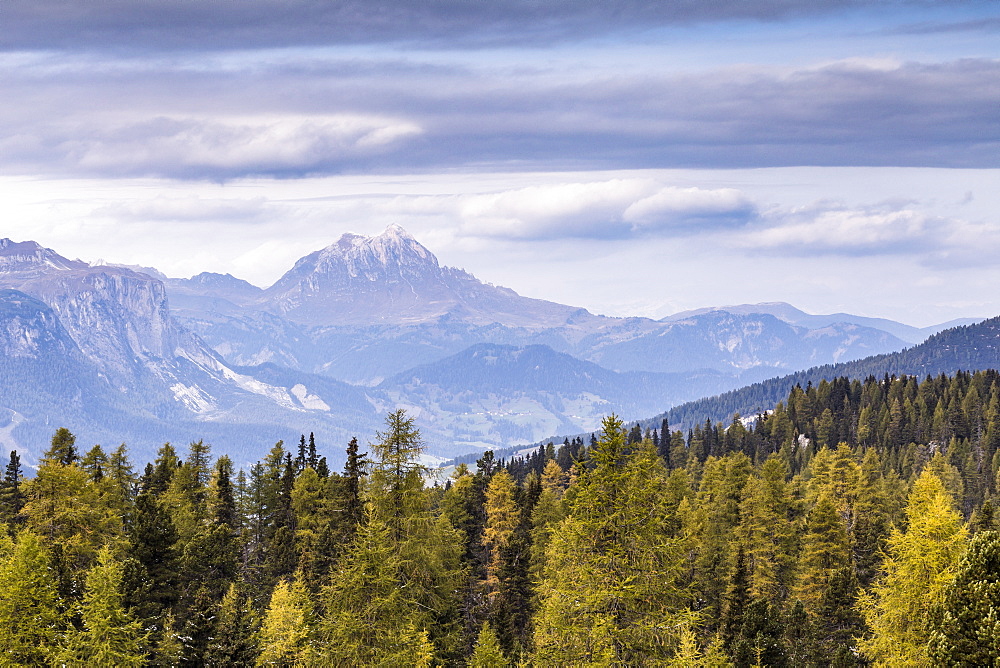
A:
(321, 117)
(200, 24)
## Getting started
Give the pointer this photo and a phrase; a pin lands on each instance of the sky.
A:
(629, 157)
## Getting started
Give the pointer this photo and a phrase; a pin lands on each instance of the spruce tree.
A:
(967, 632)
(152, 586)
(11, 494)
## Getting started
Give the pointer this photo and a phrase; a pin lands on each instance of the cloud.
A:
(222, 119)
(188, 209)
(617, 208)
(197, 25)
(219, 147)
(690, 208)
(986, 25)
(824, 230)
(903, 229)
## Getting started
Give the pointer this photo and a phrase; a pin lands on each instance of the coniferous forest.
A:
(854, 524)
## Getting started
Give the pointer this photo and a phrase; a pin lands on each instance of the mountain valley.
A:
(353, 331)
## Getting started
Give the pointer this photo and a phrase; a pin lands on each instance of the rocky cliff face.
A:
(96, 348)
(30, 329)
(120, 319)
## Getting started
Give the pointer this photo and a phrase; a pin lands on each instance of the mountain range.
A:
(352, 331)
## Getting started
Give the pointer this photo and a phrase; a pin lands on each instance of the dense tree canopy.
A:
(833, 530)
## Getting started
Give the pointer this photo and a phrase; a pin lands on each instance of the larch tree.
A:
(111, 635)
(404, 547)
(611, 591)
(287, 633)
(502, 518)
(487, 653)
(920, 564)
(31, 619)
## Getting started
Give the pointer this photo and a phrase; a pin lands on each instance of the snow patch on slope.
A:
(310, 401)
(193, 397)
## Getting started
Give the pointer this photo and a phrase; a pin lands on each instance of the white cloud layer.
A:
(820, 230)
(207, 146)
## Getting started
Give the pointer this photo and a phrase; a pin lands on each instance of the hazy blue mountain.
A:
(492, 394)
(95, 348)
(366, 308)
(794, 316)
(736, 342)
(392, 279)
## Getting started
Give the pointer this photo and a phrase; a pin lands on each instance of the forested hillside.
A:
(854, 524)
(969, 348)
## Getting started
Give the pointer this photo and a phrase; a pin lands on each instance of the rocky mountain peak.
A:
(391, 252)
(30, 255)
(393, 278)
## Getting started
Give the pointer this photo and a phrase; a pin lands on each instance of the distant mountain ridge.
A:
(794, 316)
(366, 308)
(973, 347)
(353, 331)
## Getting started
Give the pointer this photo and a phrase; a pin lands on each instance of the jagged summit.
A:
(393, 251)
(393, 278)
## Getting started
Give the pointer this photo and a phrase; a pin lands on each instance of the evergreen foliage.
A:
(831, 531)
